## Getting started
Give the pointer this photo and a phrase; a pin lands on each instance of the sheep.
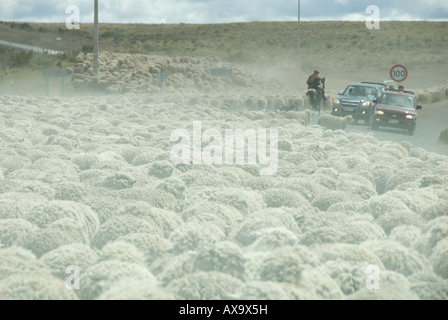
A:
(203, 286)
(249, 229)
(439, 258)
(302, 117)
(228, 214)
(54, 235)
(269, 239)
(283, 265)
(398, 258)
(102, 276)
(432, 233)
(20, 261)
(275, 198)
(34, 287)
(167, 221)
(59, 259)
(122, 251)
(224, 257)
(349, 276)
(428, 286)
(44, 215)
(334, 123)
(12, 229)
(347, 252)
(259, 290)
(131, 289)
(396, 218)
(120, 226)
(393, 286)
(405, 234)
(195, 236)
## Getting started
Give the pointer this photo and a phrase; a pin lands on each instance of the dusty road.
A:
(432, 120)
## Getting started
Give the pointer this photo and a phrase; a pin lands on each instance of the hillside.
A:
(344, 51)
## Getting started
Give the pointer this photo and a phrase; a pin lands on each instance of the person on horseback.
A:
(314, 81)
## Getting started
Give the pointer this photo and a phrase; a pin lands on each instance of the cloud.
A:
(220, 11)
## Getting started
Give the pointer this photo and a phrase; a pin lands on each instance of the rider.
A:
(313, 82)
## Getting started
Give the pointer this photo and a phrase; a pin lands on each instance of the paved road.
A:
(28, 48)
(433, 119)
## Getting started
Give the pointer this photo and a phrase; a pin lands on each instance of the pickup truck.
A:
(358, 100)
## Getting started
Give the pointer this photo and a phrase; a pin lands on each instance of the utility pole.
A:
(95, 40)
(298, 48)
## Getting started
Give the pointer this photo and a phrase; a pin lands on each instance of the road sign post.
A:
(47, 74)
(399, 73)
(161, 76)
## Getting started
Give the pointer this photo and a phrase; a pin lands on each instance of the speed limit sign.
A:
(398, 73)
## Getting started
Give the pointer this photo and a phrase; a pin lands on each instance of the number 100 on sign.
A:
(398, 73)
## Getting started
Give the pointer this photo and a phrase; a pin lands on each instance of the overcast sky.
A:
(220, 11)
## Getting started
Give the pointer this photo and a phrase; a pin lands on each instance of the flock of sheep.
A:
(91, 207)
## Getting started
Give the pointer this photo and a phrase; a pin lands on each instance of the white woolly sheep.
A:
(204, 286)
(225, 257)
(382, 204)
(428, 286)
(243, 200)
(439, 258)
(433, 232)
(104, 275)
(44, 215)
(347, 252)
(19, 261)
(396, 257)
(275, 198)
(79, 255)
(229, 214)
(166, 221)
(260, 290)
(131, 289)
(120, 226)
(318, 285)
(250, 228)
(334, 123)
(193, 237)
(285, 265)
(12, 229)
(34, 287)
(122, 251)
(348, 275)
(302, 117)
(322, 235)
(393, 286)
(405, 234)
(390, 220)
(155, 197)
(56, 234)
(272, 238)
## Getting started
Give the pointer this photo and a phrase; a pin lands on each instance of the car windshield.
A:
(360, 91)
(397, 100)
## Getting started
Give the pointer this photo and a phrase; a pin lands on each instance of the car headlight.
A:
(366, 104)
(380, 112)
(336, 101)
(410, 117)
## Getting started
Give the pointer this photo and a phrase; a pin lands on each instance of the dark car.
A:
(396, 109)
(358, 100)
